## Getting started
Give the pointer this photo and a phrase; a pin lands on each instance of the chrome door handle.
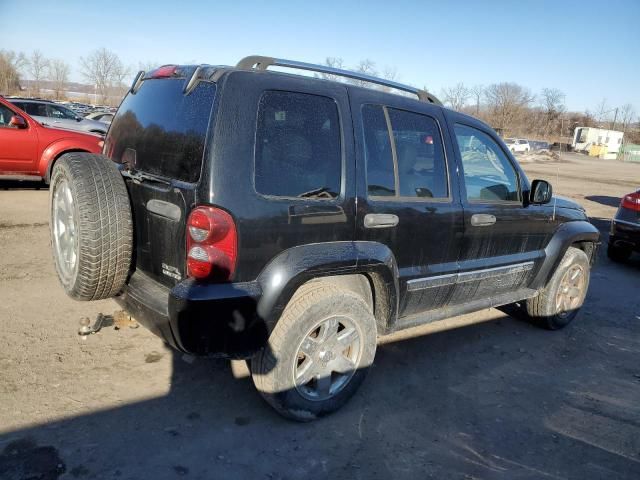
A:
(482, 220)
(380, 220)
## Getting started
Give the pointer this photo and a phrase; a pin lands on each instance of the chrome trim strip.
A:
(625, 222)
(451, 278)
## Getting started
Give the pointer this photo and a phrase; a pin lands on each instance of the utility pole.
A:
(615, 117)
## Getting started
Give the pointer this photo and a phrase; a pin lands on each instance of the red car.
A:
(29, 150)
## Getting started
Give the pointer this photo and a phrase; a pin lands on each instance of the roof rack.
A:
(262, 63)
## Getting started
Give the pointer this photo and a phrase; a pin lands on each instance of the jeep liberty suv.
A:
(290, 220)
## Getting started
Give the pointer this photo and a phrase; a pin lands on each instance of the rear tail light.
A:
(631, 201)
(211, 244)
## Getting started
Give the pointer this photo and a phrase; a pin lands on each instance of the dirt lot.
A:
(499, 399)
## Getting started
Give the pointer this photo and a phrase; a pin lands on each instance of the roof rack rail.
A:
(262, 63)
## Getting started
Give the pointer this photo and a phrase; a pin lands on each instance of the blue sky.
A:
(588, 49)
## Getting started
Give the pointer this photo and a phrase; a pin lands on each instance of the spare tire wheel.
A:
(91, 227)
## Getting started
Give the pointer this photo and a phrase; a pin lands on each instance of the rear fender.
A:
(298, 265)
(566, 235)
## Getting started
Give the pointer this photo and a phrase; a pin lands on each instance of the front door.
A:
(504, 237)
(18, 146)
(408, 195)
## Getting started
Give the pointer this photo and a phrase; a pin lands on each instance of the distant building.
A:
(586, 138)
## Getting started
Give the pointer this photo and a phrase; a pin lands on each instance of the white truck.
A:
(586, 137)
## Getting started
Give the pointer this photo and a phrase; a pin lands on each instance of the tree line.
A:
(510, 108)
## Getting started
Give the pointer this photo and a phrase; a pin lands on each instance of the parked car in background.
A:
(29, 149)
(52, 114)
(517, 145)
(624, 237)
(537, 145)
(291, 220)
(104, 117)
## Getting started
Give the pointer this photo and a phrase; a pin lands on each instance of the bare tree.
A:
(104, 69)
(456, 96)
(476, 92)
(627, 114)
(506, 101)
(552, 102)
(332, 62)
(10, 65)
(366, 67)
(37, 66)
(601, 110)
(148, 66)
(59, 76)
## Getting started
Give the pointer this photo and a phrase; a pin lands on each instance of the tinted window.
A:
(37, 109)
(419, 156)
(163, 130)
(61, 112)
(488, 174)
(298, 152)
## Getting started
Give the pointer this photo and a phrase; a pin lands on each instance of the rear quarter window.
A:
(163, 129)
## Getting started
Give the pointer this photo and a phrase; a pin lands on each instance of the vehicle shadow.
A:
(474, 402)
(22, 185)
(604, 200)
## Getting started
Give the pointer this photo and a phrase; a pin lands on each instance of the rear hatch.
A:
(159, 136)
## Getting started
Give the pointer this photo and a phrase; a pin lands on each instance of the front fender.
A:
(292, 268)
(567, 234)
(59, 147)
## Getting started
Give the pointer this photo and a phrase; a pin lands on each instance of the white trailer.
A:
(585, 137)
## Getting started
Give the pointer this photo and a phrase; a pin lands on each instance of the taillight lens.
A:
(163, 72)
(211, 244)
(631, 201)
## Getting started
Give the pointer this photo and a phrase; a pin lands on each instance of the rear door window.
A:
(409, 163)
(163, 130)
(298, 150)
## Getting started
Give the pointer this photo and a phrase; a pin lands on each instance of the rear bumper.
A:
(218, 319)
(625, 234)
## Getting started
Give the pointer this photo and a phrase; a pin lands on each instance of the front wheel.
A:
(318, 353)
(558, 303)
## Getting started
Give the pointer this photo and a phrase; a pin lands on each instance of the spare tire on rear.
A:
(91, 227)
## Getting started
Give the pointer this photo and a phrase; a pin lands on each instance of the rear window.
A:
(162, 131)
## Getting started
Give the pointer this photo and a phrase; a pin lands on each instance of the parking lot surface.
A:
(496, 399)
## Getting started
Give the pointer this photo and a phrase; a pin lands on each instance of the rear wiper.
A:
(138, 176)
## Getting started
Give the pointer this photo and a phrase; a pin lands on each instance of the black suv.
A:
(291, 220)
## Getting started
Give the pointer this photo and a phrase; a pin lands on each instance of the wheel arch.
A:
(365, 268)
(55, 157)
(580, 234)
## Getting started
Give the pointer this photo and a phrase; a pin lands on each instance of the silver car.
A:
(51, 114)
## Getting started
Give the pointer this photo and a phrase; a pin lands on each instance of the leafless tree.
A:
(37, 66)
(148, 66)
(602, 110)
(506, 101)
(59, 76)
(11, 63)
(552, 102)
(332, 62)
(627, 114)
(456, 97)
(476, 92)
(104, 69)
(366, 67)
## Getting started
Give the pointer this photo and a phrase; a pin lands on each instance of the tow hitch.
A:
(118, 320)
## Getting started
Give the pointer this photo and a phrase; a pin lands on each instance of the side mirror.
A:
(78, 118)
(18, 122)
(541, 192)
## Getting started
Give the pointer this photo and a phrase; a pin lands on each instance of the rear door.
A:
(160, 134)
(504, 237)
(408, 195)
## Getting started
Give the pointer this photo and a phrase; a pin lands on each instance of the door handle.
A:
(482, 220)
(380, 220)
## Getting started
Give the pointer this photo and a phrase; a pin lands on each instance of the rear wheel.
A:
(91, 228)
(318, 354)
(559, 302)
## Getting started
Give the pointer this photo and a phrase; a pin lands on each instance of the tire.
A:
(91, 227)
(545, 309)
(311, 310)
(618, 254)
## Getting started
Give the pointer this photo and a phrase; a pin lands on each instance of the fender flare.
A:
(54, 151)
(565, 236)
(287, 272)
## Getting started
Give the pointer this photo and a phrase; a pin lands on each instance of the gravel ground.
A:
(499, 399)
